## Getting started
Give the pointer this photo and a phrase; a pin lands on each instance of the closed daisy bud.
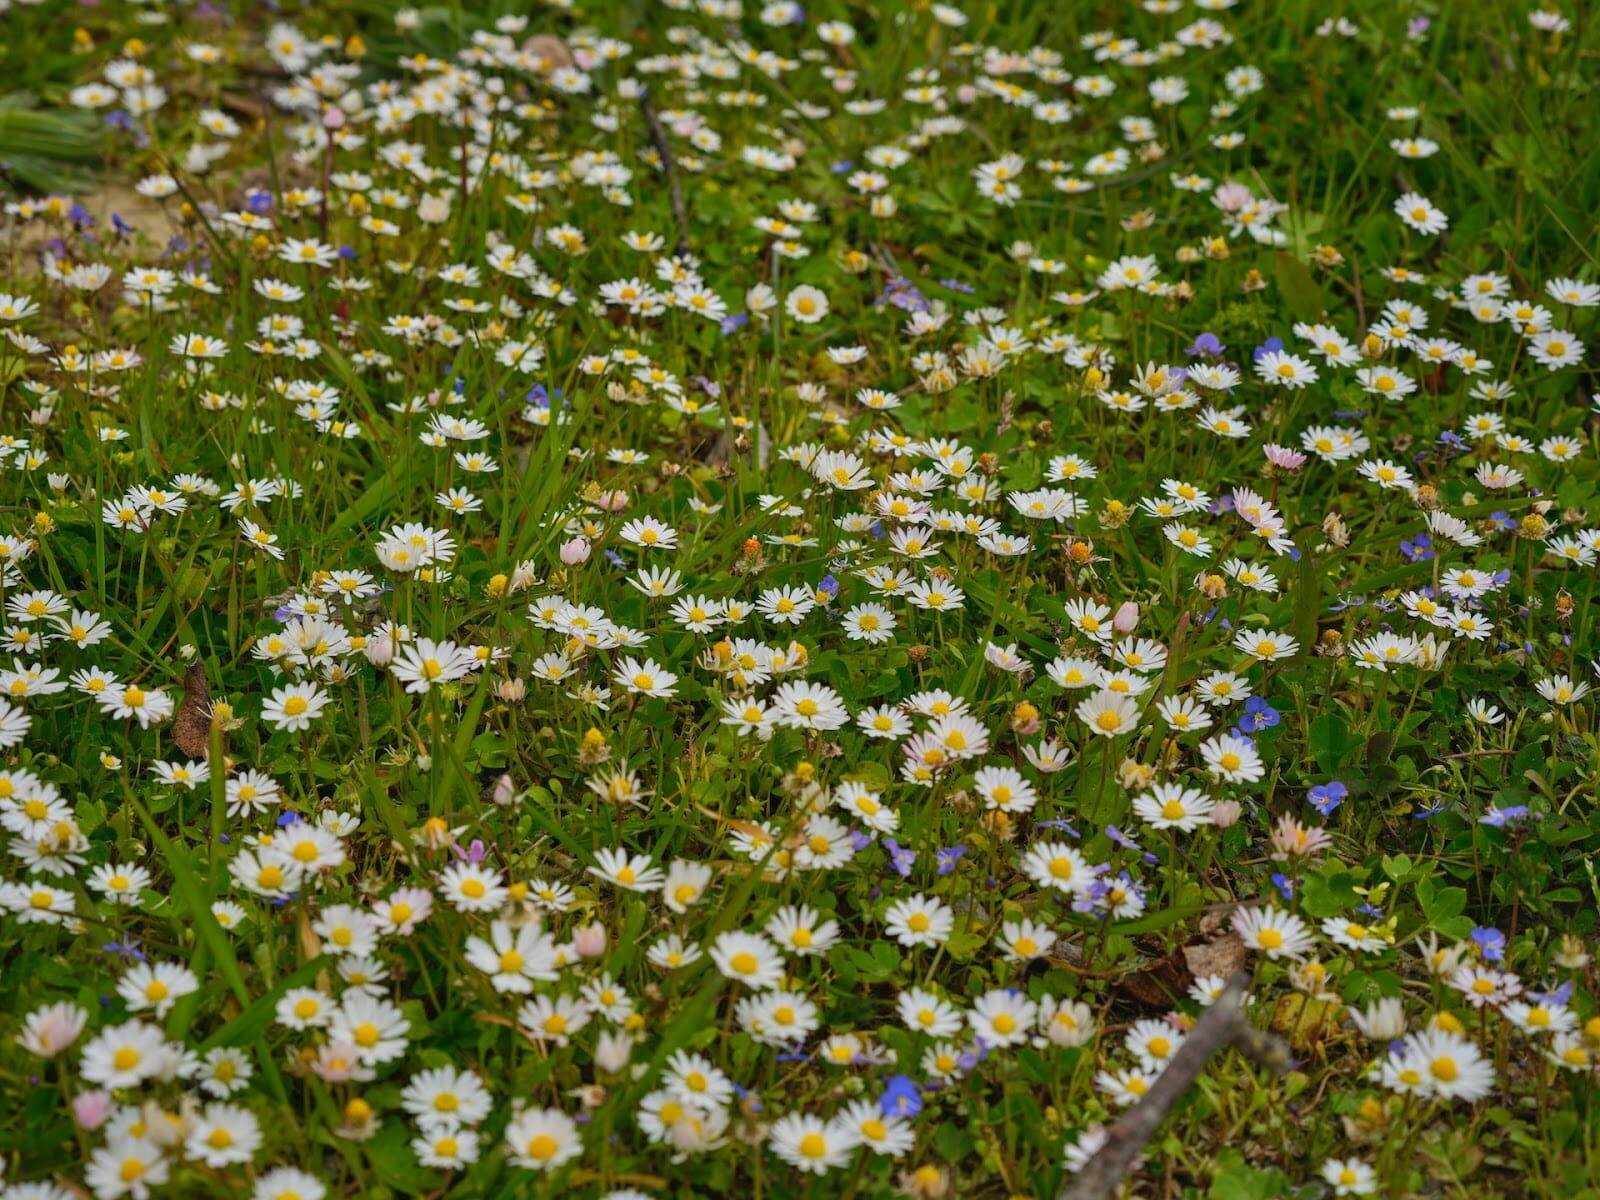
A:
(927, 1182)
(1226, 813)
(1135, 775)
(589, 940)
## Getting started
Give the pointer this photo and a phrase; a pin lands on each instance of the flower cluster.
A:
(574, 614)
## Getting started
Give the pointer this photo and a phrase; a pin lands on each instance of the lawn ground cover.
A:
(679, 599)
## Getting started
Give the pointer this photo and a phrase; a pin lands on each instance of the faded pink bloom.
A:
(1230, 197)
(1024, 725)
(1284, 458)
(1126, 617)
(574, 552)
(340, 1062)
(1290, 839)
(50, 1030)
(589, 941)
(90, 1109)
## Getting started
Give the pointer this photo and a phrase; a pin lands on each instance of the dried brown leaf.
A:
(552, 50)
(191, 728)
(1221, 955)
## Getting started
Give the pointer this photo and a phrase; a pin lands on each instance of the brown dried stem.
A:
(1222, 1025)
(669, 168)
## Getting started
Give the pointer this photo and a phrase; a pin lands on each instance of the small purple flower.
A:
(968, 1059)
(1558, 995)
(1065, 826)
(1491, 943)
(903, 294)
(955, 285)
(1326, 797)
(128, 949)
(901, 1098)
(900, 858)
(1266, 716)
(945, 860)
(1418, 548)
(733, 322)
(1267, 347)
(1207, 345)
(1120, 838)
(1501, 817)
(1284, 884)
(860, 840)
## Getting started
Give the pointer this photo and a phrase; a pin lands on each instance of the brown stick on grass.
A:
(1222, 1025)
(669, 167)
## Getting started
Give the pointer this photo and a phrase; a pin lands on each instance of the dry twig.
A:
(1223, 1024)
(669, 167)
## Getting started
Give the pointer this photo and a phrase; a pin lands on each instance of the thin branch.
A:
(669, 167)
(1223, 1024)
